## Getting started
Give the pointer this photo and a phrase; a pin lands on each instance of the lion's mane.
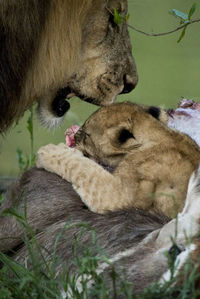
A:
(40, 42)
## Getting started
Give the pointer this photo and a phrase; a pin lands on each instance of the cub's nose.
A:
(129, 84)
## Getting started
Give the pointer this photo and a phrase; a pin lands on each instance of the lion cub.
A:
(151, 163)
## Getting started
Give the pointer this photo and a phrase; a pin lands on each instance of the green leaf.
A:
(30, 130)
(182, 35)
(192, 10)
(20, 159)
(127, 17)
(1, 198)
(180, 14)
(30, 122)
(23, 162)
(118, 19)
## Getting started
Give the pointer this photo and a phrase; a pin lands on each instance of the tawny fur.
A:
(51, 44)
(152, 163)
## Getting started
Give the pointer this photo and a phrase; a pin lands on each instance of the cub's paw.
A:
(69, 150)
(45, 155)
(51, 156)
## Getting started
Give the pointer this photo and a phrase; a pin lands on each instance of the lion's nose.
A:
(129, 84)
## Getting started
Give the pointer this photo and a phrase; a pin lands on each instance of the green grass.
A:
(40, 279)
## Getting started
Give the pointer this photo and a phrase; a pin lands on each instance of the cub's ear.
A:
(122, 139)
(158, 113)
(126, 140)
(154, 111)
(124, 136)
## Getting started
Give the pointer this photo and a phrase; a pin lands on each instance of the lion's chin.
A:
(68, 93)
(51, 116)
(98, 101)
(89, 99)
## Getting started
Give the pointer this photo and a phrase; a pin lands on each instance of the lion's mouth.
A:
(60, 105)
(83, 97)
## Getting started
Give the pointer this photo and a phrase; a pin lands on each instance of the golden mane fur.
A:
(61, 47)
(54, 32)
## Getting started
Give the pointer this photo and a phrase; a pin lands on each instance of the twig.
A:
(161, 33)
(165, 33)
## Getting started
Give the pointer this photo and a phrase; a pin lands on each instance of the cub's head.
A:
(116, 130)
(102, 65)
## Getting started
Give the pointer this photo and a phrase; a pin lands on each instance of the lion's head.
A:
(56, 49)
(104, 66)
(107, 67)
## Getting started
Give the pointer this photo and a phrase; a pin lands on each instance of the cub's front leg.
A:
(100, 190)
(55, 158)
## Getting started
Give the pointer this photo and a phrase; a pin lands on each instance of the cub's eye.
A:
(124, 135)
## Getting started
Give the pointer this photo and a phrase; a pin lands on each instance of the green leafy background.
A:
(167, 71)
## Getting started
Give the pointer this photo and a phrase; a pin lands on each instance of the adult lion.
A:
(54, 49)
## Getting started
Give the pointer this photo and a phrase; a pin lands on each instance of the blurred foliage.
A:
(118, 19)
(167, 71)
(27, 161)
(184, 18)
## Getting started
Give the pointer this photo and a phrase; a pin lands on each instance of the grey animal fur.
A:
(51, 202)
